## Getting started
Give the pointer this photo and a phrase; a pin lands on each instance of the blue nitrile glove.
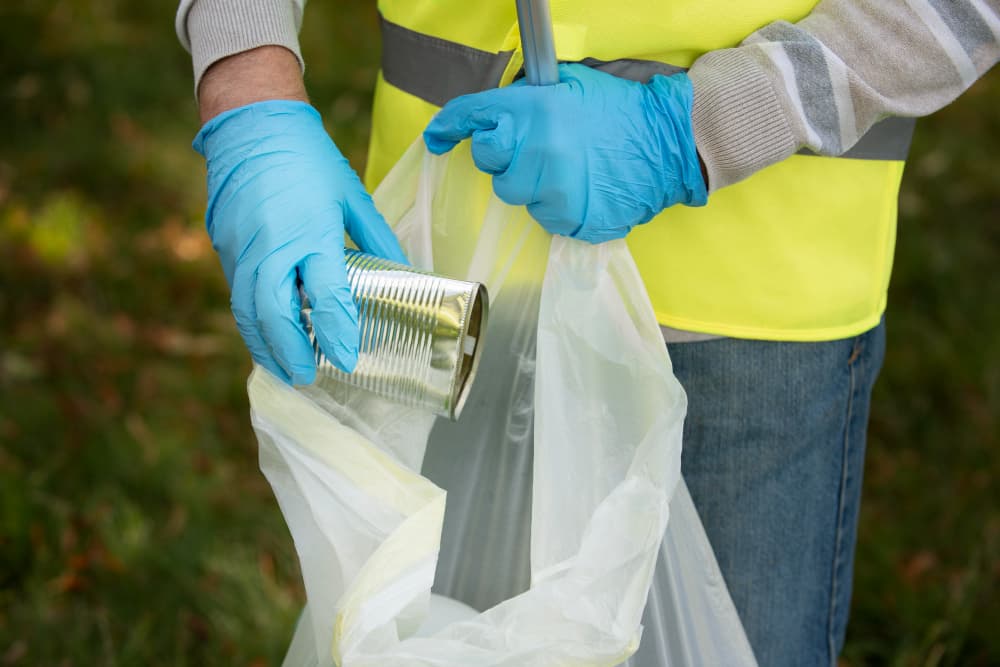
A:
(591, 156)
(280, 196)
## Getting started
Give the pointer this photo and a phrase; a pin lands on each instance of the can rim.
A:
(462, 382)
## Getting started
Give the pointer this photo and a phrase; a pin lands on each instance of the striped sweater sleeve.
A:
(214, 29)
(823, 82)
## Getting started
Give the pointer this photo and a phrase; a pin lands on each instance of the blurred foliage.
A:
(928, 571)
(135, 527)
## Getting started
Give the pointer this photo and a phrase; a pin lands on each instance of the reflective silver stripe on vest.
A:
(434, 69)
(437, 70)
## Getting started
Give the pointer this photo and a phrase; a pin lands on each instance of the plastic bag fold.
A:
(570, 441)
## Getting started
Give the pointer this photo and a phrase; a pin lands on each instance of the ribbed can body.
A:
(420, 334)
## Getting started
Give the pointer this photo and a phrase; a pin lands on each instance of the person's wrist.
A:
(704, 170)
(260, 74)
(672, 99)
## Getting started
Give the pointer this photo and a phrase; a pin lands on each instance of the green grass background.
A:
(135, 528)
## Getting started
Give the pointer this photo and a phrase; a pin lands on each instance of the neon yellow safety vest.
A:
(800, 251)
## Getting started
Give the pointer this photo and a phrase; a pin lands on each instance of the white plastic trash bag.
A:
(570, 441)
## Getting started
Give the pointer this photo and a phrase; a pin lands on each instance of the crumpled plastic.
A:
(570, 441)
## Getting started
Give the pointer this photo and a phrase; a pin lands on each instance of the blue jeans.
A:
(774, 447)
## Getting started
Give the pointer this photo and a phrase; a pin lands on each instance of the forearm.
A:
(213, 30)
(264, 73)
(823, 82)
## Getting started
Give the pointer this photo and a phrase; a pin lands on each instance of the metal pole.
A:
(535, 23)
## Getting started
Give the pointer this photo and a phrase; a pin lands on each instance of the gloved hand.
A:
(591, 156)
(280, 196)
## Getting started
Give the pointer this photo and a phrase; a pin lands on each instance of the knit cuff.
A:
(739, 124)
(215, 29)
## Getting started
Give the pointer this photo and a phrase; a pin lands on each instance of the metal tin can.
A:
(421, 334)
